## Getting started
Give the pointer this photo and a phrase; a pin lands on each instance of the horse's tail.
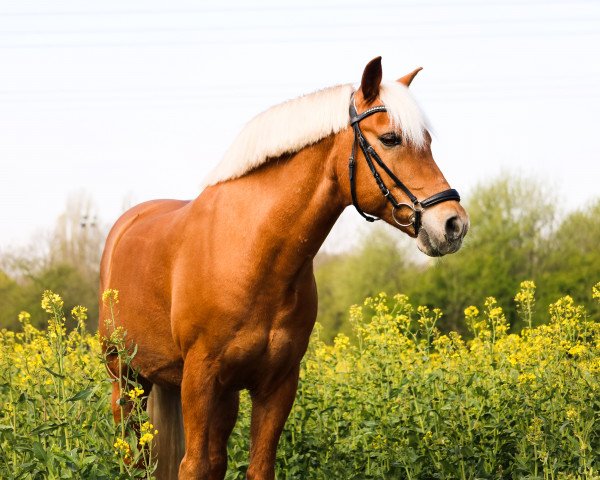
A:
(164, 408)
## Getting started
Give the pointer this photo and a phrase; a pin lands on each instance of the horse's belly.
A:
(164, 371)
(157, 358)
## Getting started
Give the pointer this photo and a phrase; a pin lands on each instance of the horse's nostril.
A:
(453, 228)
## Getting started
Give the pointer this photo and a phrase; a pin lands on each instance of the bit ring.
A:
(398, 222)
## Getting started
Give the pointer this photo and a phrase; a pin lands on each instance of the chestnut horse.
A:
(219, 294)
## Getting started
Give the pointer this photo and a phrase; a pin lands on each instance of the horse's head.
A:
(395, 138)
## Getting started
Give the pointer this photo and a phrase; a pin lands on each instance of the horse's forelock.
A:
(405, 114)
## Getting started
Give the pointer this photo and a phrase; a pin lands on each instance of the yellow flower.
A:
(79, 313)
(571, 414)
(110, 295)
(341, 342)
(122, 448)
(117, 336)
(526, 294)
(146, 438)
(596, 291)
(400, 298)
(147, 433)
(513, 360)
(51, 302)
(526, 378)
(471, 311)
(24, 317)
(578, 350)
(490, 302)
(135, 393)
(535, 432)
(56, 328)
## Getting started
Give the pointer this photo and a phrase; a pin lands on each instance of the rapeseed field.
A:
(399, 400)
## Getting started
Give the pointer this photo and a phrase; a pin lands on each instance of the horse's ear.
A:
(371, 79)
(407, 79)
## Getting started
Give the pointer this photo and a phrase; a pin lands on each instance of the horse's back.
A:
(138, 222)
(145, 212)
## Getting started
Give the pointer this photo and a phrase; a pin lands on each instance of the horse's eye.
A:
(390, 139)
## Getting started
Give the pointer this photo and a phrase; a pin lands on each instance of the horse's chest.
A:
(259, 354)
(271, 346)
(280, 347)
(267, 342)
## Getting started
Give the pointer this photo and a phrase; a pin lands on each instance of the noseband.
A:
(370, 154)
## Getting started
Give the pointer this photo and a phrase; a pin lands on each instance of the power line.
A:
(300, 7)
(540, 84)
(236, 101)
(312, 26)
(303, 40)
(495, 82)
(558, 84)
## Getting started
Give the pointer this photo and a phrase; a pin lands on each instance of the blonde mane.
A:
(292, 125)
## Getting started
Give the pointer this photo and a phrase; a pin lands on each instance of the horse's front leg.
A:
(199, 399)
(226, 412)
(271, 405)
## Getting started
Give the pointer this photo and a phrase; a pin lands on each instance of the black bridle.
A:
(370, 154)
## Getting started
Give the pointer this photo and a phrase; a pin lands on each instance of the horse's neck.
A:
(289, 206)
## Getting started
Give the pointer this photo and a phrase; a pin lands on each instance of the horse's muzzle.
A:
(443, 230)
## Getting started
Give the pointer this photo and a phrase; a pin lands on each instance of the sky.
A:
(134, 100)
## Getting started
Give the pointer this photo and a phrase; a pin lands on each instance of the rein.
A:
(371, 155)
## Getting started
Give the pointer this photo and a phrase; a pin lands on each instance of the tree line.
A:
(65, 260)
(517, 233)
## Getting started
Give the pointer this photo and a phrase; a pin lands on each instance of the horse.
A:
(218, 293)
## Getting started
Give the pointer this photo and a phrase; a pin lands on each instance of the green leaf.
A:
(26, 468)
(54, 373)
(39, 452)
(82, 395)
(89, 460)
(47, 427)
